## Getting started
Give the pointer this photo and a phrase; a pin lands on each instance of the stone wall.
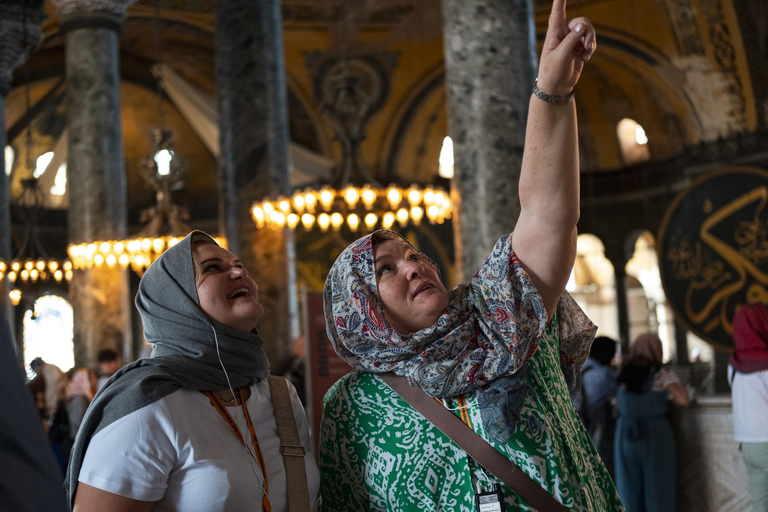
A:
(711, 475)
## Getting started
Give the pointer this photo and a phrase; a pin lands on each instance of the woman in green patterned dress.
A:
(503, 351)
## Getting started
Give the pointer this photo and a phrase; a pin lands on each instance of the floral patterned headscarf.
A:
(489, 330)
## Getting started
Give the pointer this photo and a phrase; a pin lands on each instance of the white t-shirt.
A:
(181, 453)
(749, 392)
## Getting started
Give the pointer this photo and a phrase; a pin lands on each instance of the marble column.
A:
(681, 344)
(95, 170)
(19, 33)
(619, 254)
(490, 64)
(254, 160)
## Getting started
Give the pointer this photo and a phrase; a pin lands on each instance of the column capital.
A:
(20, 33)
(74, 14)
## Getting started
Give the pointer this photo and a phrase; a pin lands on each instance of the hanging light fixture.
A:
(351, 92)
(164, 226)
(32, 262)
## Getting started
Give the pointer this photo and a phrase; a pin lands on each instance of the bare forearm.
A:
(549, 180)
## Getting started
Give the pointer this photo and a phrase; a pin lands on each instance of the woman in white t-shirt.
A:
(748, 375)
(192, 428)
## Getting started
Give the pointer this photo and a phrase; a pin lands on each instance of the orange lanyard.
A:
(461, 399)
(216, 402)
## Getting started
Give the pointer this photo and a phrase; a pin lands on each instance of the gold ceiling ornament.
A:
(358, 208)
(350, 90)
(32, 263)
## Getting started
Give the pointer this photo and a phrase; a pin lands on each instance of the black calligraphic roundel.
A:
(713, 251)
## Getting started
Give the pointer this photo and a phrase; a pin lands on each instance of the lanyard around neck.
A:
(216, 402)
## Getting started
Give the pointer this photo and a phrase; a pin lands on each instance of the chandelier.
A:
(32, 262)
(165, 227)
(363, 207)
(163, 170)
(351, 90)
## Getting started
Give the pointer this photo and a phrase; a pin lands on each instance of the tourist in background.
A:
(748, 376)
(645, 444)
(109, 363)
(596, 401)
(82, 388)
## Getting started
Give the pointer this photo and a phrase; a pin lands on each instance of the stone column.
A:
(19, 33)
(490, 64)
(254, 159)
(618, 254)
(95, 170)
(681, 344)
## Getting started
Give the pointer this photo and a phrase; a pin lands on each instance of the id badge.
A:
(492, 501)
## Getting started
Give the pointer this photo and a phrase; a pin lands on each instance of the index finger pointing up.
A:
(557, 17)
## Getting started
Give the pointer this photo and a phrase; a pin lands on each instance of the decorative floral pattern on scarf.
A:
(491, 328)
(377, 453)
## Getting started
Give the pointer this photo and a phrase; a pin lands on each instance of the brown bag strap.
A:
(475, 446)
(290, 446)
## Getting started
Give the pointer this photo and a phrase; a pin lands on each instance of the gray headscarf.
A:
(184, 354)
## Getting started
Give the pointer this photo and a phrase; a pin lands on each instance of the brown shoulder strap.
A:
(475, 446)
(290, 446)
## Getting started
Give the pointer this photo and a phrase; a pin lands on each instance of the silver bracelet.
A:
(552, 100)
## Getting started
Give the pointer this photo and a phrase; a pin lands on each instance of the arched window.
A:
(592, 284)
(10, 154)
(41, 164)
(633, 142)
(445, 170)
(649, 309)
(48, 332)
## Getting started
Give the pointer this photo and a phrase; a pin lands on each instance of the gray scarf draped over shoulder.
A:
(184, 354)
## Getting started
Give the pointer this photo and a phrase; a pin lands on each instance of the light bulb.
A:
(310, 200)
(354, 221)
(293, 220)
(416, 214)
(414, 195)
(326, 198)
(336, 220)
(307, 220)
(368, 196)
(402, 216)
(351, 196)
(388, 220)
(394, 196)
(324, 220)
(258, 215)
(370, 220)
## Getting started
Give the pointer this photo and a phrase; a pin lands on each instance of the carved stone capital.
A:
(20, 33)
(74, 14)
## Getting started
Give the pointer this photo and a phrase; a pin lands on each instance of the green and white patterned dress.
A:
(378, 453)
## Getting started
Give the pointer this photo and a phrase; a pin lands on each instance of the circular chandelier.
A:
(138, 253)
(350, 90)
(31, 271)
(32, 263)
(163, 170)
(365, 207)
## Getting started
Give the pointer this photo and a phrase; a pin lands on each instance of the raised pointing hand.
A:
(567, 46)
